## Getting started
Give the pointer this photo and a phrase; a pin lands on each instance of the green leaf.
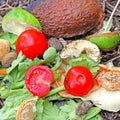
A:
(55, 97)
(49, 55)
(52, 112)
(57, 62)
(91, 114)
(15, 63)
(107, 28)
(84, 60)
(13, 99)
(16, 73)
(10, 37)
(52, 58)
(27, 63)
(97, 117)
(39, 108)
(18, 20)
(70, 108)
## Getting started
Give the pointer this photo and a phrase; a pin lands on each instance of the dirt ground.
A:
(108, 6)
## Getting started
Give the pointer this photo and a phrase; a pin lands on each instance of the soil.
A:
(114, 55)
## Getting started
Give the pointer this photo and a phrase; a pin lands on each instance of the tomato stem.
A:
(55, 90)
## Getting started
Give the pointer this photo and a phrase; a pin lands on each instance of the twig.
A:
(104, 4)
(115, 14)
(111, 7)
(112, 59)
(112, 14)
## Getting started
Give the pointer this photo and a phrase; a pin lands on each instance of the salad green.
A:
(17, 20)
(86, 61)
(14, 92)
(46, 109)
(10, 37)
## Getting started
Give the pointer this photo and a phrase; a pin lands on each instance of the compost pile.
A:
(114, 55)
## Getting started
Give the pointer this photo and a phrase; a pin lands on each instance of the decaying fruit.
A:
(68, 18)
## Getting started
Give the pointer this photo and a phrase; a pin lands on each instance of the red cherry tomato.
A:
(38, 80)
(32, 43)
(78, 81)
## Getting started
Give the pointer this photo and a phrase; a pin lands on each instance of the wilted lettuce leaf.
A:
(52, 112)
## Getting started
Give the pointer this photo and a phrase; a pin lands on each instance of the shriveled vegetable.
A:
(4, 48)
(75, 48)
(54, 42)
(27, 109)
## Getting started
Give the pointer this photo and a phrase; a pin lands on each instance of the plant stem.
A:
(56, 90)
(112, 14)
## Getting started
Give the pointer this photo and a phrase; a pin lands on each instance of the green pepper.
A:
(105, 41)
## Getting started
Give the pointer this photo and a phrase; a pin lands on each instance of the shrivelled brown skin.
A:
(68, 18)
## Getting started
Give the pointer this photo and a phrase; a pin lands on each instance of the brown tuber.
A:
(68, 18)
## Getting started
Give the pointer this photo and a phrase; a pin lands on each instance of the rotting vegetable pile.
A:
(113, 55)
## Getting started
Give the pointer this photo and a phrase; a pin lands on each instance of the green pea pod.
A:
(105, 41)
